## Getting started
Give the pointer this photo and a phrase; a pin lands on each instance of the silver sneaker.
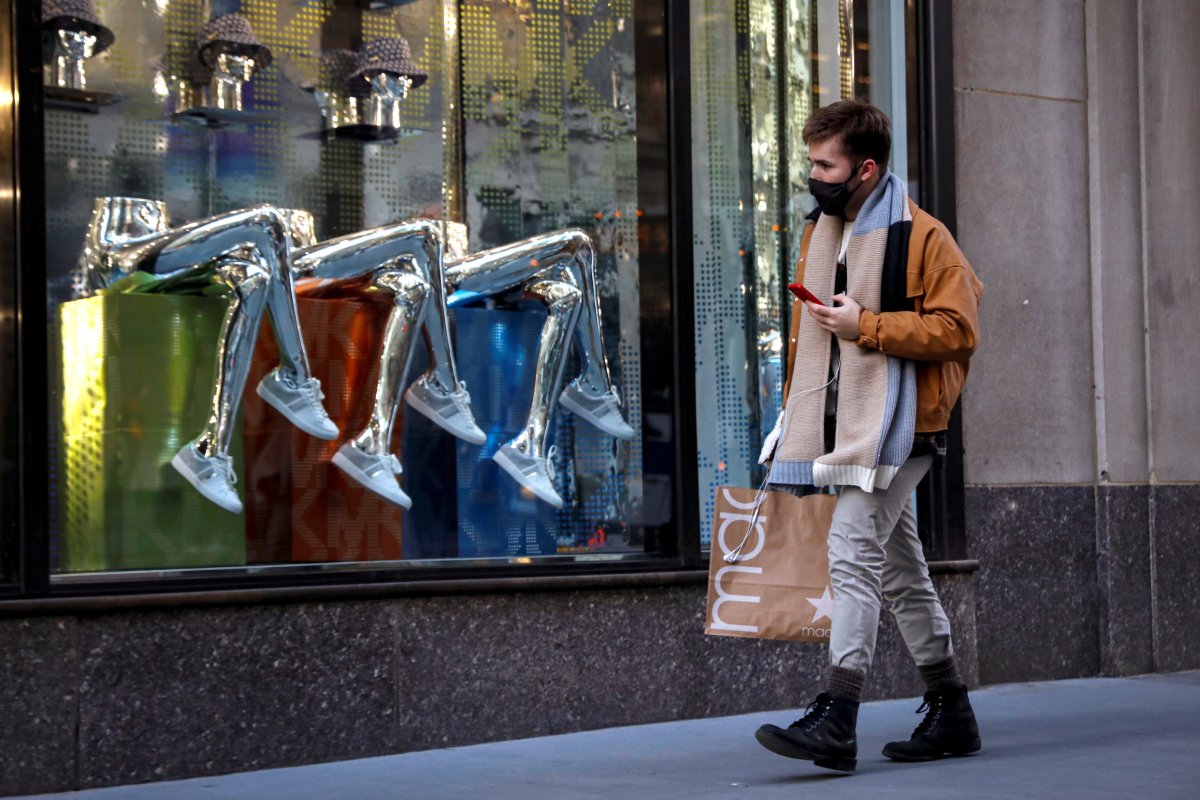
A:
(377, 473)
(299, 402)
(213, 476)
(533, 473)
(451, 411)
(603, 410)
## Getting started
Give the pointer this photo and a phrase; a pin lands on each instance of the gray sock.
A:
(942, 675)
(847, 683)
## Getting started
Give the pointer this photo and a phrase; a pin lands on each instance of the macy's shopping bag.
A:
(768, 577)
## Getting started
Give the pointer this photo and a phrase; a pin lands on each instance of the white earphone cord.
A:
(732, 556)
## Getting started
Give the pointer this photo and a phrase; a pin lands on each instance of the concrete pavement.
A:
(1087, 739)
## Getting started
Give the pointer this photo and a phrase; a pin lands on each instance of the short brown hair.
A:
(864, 130)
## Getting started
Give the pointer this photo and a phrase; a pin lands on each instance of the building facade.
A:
(146, 634)
(1076, 131)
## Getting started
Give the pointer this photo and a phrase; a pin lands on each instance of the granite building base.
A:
(134, 696)
(1038, 603)
(1085, 580)
(1175, 520)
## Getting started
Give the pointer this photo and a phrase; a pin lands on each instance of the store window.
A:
(759, 68)
(436, 209)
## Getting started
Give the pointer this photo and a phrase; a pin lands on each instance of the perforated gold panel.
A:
(753, 64)
(549, 126)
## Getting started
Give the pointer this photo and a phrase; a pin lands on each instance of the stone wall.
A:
(1077, 123)
(126, 697)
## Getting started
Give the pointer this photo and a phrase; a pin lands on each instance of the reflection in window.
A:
(758, 70)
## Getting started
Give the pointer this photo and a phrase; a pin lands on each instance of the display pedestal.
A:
(209, 117)
(81, 100)
(135, 374)
(363, 132)
(496, 353)
(299, 507)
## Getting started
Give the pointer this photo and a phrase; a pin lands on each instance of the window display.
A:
(344, 181)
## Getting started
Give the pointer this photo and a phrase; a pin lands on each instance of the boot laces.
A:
(815, 714)
(932, 708)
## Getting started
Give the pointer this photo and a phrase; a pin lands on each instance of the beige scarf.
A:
(876, 400)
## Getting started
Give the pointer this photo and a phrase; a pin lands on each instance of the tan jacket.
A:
(940, 333)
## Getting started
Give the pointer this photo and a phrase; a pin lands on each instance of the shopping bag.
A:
(768, 576)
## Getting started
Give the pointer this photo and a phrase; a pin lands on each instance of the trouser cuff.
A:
(942, 675)
(847, 683)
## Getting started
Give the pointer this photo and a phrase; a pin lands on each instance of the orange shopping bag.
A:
(768, 576)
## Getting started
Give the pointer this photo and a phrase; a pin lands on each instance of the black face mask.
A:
(832, 198)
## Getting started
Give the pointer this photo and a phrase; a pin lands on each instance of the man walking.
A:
(873, 374)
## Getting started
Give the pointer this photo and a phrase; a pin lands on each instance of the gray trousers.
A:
(874, 553)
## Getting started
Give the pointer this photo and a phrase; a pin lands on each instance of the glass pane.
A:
(454, 196)
(759, 68)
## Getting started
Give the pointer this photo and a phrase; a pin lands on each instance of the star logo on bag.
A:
(823, 606)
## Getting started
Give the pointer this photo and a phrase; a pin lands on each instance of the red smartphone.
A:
(804, 294)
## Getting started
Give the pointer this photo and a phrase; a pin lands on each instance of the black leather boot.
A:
(948, 729)
(824, 735)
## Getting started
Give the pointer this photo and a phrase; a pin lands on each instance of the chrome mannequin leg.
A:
(562, 301)
(410, 292)
(263, 231)
(589, 340)
(249, 285)
(415, 246)
(509, 267)
(525, 458)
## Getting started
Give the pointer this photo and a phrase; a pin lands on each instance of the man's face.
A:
(829, 162)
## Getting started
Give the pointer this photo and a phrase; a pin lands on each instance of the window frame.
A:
(30, 414)
(11, 555)
(941, 515)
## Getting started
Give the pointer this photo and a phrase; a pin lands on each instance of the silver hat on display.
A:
(232, 33)
(391, 55)
(76, 15)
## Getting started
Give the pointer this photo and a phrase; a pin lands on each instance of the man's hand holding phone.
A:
(803, 293)
(840, 319)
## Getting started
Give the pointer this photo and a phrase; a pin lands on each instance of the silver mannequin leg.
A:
(249, 285)
(249, 252)
(562, 301)
(263, 231)
(509, 267)
(589, 340)
(417, 242)
(410, 292)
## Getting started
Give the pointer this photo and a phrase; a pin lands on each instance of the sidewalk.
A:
(1087, 739)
